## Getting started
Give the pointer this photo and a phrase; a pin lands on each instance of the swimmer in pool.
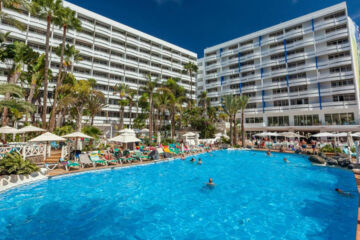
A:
(286, 161)
(268, 153)
(199, 162)
(183, 157)
(192, 160)
(342, 192)
(210, 183)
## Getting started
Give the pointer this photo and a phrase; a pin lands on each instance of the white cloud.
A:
(160, 2)
(356, 15)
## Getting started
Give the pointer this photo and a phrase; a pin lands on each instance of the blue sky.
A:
(197, 24)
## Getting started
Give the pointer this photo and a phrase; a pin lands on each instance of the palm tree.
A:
(16, 5)
(190, 68)
(163, 100)
(204, 102)
(150, 88)
(46, 9)
(66, 18)
(130, 96)
(17, 55)
(231, 107)
(96, 103)
(122, 90)
(14, 102)
(243, 101)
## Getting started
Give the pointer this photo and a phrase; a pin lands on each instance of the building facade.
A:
(301, 75)
(112, 53)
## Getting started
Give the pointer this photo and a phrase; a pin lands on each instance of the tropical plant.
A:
(66, 19)
(243, 101)
(130, 96)
(95, 104)
(15, 5)
(190, 68)
(149, 89)
(16, 56)
(122, 89)
(231, 107)
(47, 9)
(204, 102)
(13, 163)
(92, 131)
(14, 101)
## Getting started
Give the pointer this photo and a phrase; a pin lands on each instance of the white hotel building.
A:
(112, 53)
(301, 75)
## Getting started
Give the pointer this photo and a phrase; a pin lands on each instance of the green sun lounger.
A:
(96, 159)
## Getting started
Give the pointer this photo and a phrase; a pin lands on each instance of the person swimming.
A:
(192, 160)
(210, 184)
(268, 153)
(285, 160)
(199, 162)
(342, 192)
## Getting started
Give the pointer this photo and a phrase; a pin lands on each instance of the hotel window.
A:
(281, 103)
(297, 27)
(251, 106)
(298, 88)
(344, 97)
(277, 56)
(278, 121)
(277, 33)
(254, 120)
(296, 51)
(341, 83)
(246, 43)
(337, 42)
(336, 28)
(233, 47)
(278, 67)
(243, 54)
(306, 120)
(248, 84)
(274, 45)
(250, 94)
(335, 15)
(234, 86)
(245, 74)
(339, 55)
(296, 64)
(279, 90)
(278, 79)
(297, 76)
(299, 101)
(247, 63)
(234, 76)
(293, 40)
(339, 119)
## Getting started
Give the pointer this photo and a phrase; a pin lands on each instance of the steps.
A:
(55, 157)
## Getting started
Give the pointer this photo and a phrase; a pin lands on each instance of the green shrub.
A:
(327, 148)
(13, 163)
(92, 131)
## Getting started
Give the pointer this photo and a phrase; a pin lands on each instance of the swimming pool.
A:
(255, 197)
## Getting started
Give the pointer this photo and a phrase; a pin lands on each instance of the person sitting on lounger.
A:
(342, 192)
(192, 160)
(199, 162)
(268, 153)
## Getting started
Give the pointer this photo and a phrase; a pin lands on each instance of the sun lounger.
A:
(140, 156)
(69, 164)
(85, 160)
(94, 157)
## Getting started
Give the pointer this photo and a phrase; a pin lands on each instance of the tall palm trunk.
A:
(231, 131)
(58, 83)
(31, 95)
(79, 120)
(191, 89)
(122, 110)
(130, 118)
(151, 117)
(172, 125)
(235, 131)
(242, 128)
(46, 72)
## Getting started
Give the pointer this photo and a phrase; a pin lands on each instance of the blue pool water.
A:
(256, 197)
